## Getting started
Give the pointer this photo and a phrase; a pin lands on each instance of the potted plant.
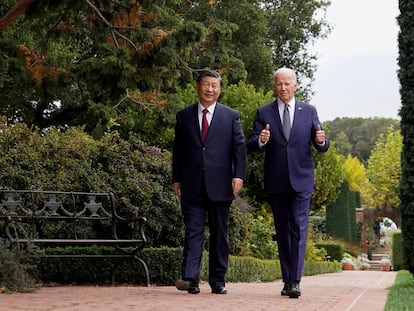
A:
(385, 263)
(347, 262)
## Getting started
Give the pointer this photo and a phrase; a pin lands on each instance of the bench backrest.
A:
(54, 214)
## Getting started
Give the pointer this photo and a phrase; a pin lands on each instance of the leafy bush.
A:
(139, 175)
(260, 240)
(17, 269)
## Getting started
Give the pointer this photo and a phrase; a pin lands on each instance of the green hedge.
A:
(397, 252)
(341, 216)
(164, 266)
(334, 249)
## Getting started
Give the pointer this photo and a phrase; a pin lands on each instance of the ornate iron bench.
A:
(59, 219)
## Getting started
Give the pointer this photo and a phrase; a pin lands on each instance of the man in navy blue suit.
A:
(285, 129)
(209, 164)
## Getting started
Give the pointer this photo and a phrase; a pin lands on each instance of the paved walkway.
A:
(344, 291)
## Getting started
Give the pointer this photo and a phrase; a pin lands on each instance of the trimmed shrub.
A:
(164, 266)
(334, 249)
(397, 252)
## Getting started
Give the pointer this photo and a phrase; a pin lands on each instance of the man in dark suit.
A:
(209, 164)
(285, 129)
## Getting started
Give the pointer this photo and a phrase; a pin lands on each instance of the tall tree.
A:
(84, 62)
(329, 177)
(384, 169)
(357, 136)
(237, 37)
(356, 174)
(89, 62)
(293, 26)
(406, 76)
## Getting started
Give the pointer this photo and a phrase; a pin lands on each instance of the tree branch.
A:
(18, 9)
(111, 26)
(129, 97)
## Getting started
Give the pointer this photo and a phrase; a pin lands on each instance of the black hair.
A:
(209, 73)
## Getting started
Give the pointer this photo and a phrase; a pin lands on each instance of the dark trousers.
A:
(291, 212)
(194, 215)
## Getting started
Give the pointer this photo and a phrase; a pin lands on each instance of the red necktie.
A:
(204, 125)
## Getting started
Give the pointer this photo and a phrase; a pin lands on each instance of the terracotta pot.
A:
(347, 266)
(386, 267)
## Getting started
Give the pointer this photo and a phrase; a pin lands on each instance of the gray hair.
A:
(286, 70)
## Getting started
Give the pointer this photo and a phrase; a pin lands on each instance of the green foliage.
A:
(328, 178)
(405, 74)
(83, 270)
(72, 161)
(86, 67)
(76, 63)
(340, 216)
(139, 175)
(245, 99)
(17, 268)
(321, 267)
(260, 240)
(397, 252)
(164, 266)
(357, 136)
(313, 252)
(240, 224)
(155, 125)
(355, 173)
(384, 169)
(401, 293)
(292, 26)
(319, 225)
(334, 249)
(250, 269)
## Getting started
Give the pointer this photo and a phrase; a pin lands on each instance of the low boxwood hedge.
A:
(164, 265)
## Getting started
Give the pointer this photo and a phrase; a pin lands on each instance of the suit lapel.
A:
(196, 123)
(297, 118)
(278, 119)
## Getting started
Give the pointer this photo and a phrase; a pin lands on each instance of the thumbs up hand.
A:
(265, 134)
(320, 134)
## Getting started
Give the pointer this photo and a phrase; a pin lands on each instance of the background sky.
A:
(357, 62)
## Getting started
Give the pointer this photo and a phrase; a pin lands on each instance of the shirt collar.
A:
(210, 108)
(291, 103)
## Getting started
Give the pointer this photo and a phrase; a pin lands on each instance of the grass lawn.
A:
(401, 294)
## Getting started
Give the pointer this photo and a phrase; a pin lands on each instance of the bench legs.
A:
(145, 269)
(144, 265)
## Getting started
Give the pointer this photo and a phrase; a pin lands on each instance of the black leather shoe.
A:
(183, 284)
(194, 290)
(294, 290)
(190, 287)
(219, 290)
(285, 289)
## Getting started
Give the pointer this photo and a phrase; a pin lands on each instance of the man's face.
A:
(208, 90)
(285, 86)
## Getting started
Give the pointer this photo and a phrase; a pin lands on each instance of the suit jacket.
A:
(218, 160)
(287, 161)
